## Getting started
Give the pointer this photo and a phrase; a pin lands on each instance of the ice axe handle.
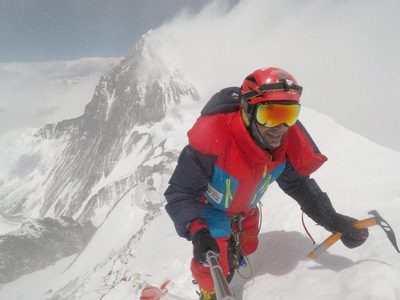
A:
(337, 235)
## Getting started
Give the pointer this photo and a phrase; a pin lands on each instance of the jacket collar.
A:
(249, 148)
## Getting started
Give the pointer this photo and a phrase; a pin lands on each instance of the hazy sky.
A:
(32, 30)
(344, 52)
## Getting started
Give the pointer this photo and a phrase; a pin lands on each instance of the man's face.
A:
(273, 136)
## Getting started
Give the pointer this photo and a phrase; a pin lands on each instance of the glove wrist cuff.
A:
(196, 226)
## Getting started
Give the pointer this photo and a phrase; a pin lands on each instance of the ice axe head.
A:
(386, 227)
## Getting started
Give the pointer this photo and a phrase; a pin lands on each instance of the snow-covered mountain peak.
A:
(145, 81)
(106, 144)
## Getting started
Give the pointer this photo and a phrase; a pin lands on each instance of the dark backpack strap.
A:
(225, 101)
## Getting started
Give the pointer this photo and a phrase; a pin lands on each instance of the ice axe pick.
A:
(375, 220)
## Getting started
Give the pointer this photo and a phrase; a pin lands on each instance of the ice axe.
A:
(375, 220)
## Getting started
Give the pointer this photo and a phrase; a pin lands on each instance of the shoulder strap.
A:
(225, 101)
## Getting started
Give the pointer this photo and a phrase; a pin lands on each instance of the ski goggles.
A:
(274, 114)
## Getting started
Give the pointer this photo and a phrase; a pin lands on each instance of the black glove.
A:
(202, 242)
(352, 237)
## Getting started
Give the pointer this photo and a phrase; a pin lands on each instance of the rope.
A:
(248, 263)
(305, 228)
(260, 222)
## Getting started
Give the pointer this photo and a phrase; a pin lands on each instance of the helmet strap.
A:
(257, 137)
(248, 118)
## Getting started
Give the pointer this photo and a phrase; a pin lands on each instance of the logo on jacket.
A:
(214, 194)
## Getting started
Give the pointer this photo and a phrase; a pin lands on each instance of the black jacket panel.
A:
(188, 182)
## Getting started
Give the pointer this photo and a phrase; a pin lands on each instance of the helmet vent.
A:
(251, 79)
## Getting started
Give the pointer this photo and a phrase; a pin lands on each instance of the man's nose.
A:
(280, 128)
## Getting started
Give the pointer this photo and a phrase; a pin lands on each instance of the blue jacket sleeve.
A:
(188, 182)
(312, 200)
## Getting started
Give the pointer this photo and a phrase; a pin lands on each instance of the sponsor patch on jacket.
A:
(214, 194)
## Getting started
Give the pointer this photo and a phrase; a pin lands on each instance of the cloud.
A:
(45, 112)
(35, 94)
(344, 53)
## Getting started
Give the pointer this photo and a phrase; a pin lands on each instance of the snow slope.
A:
(136, 243)
(359, 176)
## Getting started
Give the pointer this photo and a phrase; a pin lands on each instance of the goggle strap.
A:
(283, 85)
(250, 94)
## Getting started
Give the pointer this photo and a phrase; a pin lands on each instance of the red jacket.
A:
(243, 171)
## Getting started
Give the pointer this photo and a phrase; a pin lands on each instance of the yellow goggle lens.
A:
(274, 114)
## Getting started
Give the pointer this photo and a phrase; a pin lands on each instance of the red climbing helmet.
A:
(270, 84)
